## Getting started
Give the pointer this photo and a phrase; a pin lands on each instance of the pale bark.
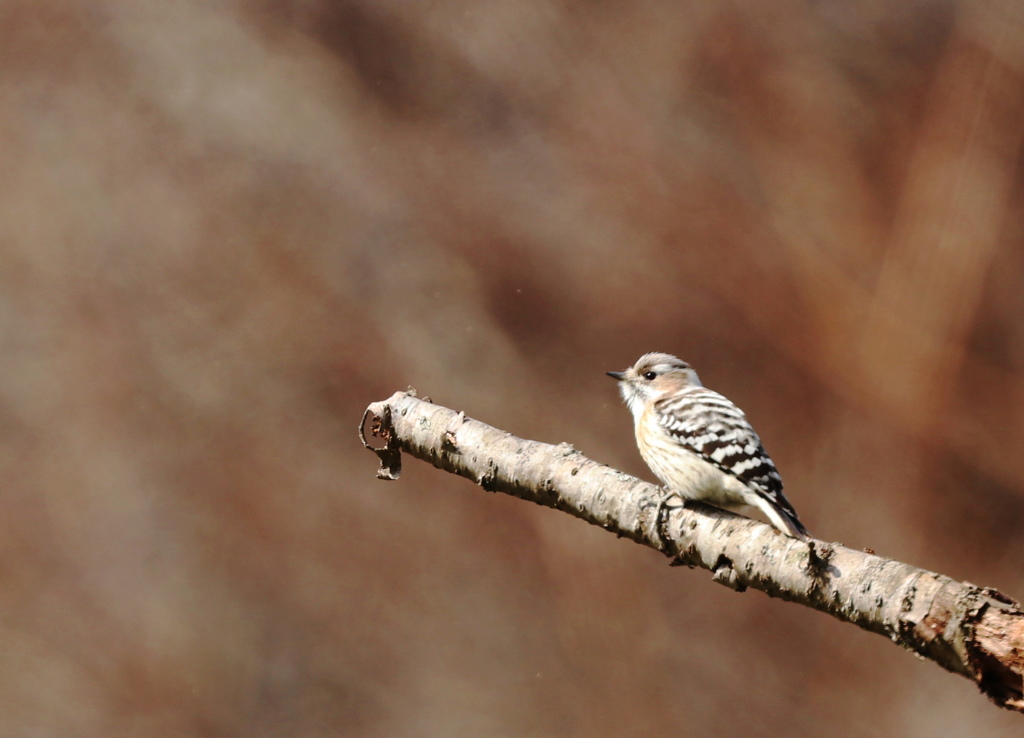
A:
(969, 630)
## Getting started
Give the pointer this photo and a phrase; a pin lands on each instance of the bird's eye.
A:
(650, 375)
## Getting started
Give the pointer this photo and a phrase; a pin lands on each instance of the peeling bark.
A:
(969, 630)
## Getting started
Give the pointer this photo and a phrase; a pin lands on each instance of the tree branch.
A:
(972, 631)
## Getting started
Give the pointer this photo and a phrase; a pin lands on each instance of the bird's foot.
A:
(669, 501)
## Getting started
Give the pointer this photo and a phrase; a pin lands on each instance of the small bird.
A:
(699, 444)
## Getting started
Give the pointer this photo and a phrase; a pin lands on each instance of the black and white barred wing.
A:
(709, 425)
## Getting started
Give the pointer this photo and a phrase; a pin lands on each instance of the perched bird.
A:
(699, 444)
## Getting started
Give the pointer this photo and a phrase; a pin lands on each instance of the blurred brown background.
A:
(226, 227)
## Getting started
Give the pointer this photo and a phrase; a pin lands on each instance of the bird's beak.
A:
(617, 375)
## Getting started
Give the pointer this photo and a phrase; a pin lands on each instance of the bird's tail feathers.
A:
(783, 519)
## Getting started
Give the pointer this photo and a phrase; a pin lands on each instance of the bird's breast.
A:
(682, 470)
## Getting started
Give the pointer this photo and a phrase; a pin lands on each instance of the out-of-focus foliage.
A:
(226, 227)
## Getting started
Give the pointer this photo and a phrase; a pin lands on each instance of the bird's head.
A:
(651, 378)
